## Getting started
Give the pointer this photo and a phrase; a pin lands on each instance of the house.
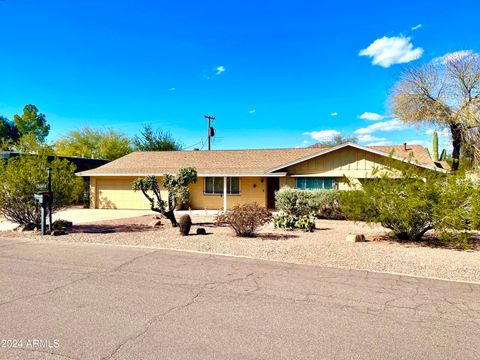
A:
(230, 177)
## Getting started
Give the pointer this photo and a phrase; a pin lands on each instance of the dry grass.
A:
(326, 246)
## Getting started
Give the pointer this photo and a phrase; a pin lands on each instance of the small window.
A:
(314, 183)
(214, 185)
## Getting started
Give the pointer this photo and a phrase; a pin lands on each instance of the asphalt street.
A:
(79, 301)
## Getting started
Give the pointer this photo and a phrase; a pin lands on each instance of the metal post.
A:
(49, 172)
(225, 193)
(42, 222)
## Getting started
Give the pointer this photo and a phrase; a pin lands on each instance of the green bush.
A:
(296, 202)
(417, 202)
(19, 179)
(245, 219)
(290, 222)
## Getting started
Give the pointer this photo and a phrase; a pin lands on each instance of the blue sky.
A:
(274, 73)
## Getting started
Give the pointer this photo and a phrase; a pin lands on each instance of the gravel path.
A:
(326, 246)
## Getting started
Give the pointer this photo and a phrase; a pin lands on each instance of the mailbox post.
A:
(45, 199)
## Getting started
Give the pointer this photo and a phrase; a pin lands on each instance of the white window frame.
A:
(221, 179)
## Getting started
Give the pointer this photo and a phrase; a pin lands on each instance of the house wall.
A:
(252, 189)
(354, 164)
(117, 193)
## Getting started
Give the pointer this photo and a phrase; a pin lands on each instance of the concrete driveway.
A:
(83, 301)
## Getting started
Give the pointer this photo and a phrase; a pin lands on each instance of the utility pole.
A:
(211, 130)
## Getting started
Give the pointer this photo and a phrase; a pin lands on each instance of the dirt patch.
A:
(325, 246)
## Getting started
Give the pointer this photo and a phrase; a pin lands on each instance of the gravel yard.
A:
(326, 246)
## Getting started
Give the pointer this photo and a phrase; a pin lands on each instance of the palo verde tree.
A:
(444, 92)
(177, 187)
(93, 143)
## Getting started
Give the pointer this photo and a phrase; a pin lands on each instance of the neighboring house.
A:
(230, 177)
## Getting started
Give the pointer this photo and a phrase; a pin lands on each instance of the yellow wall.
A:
(117, 193)
(252, 189)
(346, 161)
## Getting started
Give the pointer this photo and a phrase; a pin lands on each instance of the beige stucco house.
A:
(230, 177)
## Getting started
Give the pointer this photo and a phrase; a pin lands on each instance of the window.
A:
(314, 183)
(214, 185)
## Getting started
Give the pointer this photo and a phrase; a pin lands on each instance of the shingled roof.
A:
(235, 162)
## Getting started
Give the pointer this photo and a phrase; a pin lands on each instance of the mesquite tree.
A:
(177, 187)
(445, 92)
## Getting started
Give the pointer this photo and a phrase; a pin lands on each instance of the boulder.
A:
(156, 223)
(201, 231)
(58, 232)
(355, 238)
(27, 227)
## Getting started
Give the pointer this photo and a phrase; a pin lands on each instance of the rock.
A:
(355, 238)
(58, 232)
(62, 225)
(156, 217)
(156, 223)
(27, 227)
(201, 231)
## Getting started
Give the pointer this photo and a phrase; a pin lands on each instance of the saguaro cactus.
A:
(435, 146)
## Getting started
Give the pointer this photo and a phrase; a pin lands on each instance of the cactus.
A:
(435, 146)
(443, 156)
(185, 224)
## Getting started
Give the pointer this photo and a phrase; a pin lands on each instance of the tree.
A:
(177, 187)
(19, 179)
(8, 133)
(32, 122)
(443, 92)
(105, 144)
(155, 140)
(338, 139)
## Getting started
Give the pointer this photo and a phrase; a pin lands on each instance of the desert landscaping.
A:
(325, 246)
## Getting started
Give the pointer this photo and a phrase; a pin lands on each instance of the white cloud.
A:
(334, 114)
(443, 133)
(303, 144)
(172, 89)
(380, 143)
(371, 116)
(416, 27)
(252, 111)
(392, 50)
(390, 125)
(370, 138)
(323, 135)
(456, 55)
(219, 70)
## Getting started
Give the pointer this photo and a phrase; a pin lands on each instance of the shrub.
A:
(185, 224)
(245, 219)
(19, 180)
(404, 205)
(296, 202)
(290, 222)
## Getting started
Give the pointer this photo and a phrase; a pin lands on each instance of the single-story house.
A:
(230, 177)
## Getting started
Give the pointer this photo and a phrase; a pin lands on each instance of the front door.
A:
(273, 185)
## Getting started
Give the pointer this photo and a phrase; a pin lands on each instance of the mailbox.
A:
(43, 198)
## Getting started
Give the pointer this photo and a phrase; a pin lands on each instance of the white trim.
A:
(360, 147)
(225, 192)
(279, 174)
(221, 194)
